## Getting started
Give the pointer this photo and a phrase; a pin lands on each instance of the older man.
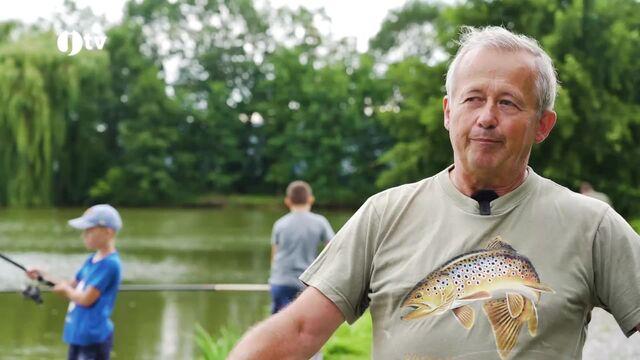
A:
(484, 260)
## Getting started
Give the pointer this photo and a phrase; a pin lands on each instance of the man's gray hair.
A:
(499, 38)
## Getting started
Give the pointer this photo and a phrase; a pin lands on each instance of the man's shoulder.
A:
(402, 194)
(567, 199)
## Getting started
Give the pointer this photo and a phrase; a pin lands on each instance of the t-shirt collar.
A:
(499, 206)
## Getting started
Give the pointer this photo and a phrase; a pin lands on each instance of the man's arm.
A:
(297, 332)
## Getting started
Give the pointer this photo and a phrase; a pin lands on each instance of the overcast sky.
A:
(350, 18)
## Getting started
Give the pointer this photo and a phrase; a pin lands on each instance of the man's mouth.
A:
(486, 140)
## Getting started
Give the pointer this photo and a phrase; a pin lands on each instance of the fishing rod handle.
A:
(46, 282)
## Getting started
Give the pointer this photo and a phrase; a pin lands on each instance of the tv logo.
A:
(89, 42)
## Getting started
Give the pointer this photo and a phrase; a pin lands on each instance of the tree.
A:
(143, 122)
(40, 89)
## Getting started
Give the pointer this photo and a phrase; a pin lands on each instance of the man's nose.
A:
(488, 116)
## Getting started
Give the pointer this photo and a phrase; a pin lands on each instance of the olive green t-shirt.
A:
(443, 282)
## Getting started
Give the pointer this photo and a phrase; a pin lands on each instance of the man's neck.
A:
(469, 183)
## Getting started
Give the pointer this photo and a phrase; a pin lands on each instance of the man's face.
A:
(492, 115)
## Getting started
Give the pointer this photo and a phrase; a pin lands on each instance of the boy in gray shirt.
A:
(295, 240)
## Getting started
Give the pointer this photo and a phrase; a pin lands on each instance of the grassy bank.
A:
(217, 200)
(347, 343)
(259, 201)
(350, 342)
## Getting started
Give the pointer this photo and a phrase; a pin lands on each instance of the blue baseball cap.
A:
(98, 215)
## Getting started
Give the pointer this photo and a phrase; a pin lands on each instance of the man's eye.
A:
(507, 103)
(471, 99)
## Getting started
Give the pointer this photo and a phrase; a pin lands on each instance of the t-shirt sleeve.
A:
(327, 231)
(342, 272)
(616, 252)
(274, 234)
(105, 275)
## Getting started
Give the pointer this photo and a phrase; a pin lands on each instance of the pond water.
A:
(179, 246)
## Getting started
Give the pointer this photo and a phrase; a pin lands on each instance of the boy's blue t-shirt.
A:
(86, 325)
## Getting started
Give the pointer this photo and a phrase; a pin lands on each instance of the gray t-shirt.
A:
(443, 282)
(297, 237)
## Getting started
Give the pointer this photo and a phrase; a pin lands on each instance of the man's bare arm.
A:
(297, 332)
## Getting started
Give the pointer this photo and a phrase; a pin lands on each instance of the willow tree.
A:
(39, 93)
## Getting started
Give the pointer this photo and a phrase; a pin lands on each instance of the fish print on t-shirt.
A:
(504, 280)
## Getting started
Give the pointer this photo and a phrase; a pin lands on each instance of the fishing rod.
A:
(182, 287)
(31, 291)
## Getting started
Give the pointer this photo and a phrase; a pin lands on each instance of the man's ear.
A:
(447, 111)
(546, 123)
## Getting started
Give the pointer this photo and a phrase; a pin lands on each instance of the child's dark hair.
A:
(299, 192)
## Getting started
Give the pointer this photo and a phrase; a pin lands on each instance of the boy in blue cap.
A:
(88, 328)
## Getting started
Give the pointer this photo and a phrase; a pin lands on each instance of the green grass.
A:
(350, 342)
(635, 223)
(215, 349)
(347, 343)
(237, 200)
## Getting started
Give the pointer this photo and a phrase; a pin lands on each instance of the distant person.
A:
(295, 241)
(588, 190)
(88, 328)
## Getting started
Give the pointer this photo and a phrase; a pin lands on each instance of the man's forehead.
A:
(483, 86)
(492, 55)
(500, 70)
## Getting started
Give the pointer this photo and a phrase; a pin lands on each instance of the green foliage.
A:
(262, 97)
(144, 125)
(321, 126)
(351, 342)
(415, 120)
(39, 89)
(215, 349)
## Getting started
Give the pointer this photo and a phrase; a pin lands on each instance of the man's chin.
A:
(484, 163)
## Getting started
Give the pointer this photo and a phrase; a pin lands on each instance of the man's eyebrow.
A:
(470, 91)
(515, 95)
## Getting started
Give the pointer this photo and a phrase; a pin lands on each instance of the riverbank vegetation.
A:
(260, 96)
(347, 343)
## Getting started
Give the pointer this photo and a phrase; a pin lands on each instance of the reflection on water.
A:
(156, 246)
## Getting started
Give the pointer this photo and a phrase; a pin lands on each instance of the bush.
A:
(347, 343)
(217, 349)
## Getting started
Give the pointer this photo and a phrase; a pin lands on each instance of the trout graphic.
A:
(506, 281)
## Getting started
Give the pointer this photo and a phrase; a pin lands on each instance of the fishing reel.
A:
(32, 292)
